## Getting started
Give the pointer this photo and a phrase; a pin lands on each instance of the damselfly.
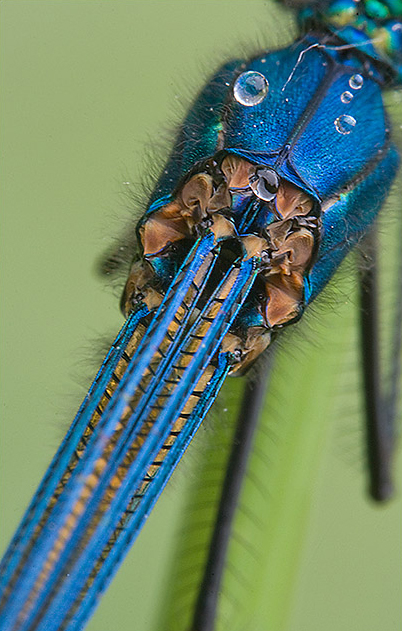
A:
(226, 10)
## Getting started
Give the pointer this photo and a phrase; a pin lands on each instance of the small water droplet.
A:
(264, 182)
(346, 96)
(250, 88)
(356, 81)
(344, 124)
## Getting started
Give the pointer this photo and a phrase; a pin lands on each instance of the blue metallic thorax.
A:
(322, 126)
(294, 128)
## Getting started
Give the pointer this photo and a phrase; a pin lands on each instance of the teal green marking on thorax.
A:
(374, 26)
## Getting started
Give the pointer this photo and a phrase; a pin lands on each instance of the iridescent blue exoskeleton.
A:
(280, 167)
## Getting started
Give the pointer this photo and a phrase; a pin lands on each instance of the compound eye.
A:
(264, 183)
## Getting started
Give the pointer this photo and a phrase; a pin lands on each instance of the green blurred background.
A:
(89, 87)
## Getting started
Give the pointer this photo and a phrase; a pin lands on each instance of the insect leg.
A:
(252, 401)
(380, 401)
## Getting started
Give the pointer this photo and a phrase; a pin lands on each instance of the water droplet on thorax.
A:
(250, 88)
(346, 96)
(356, 81)
(344, 124)
(264, 183)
